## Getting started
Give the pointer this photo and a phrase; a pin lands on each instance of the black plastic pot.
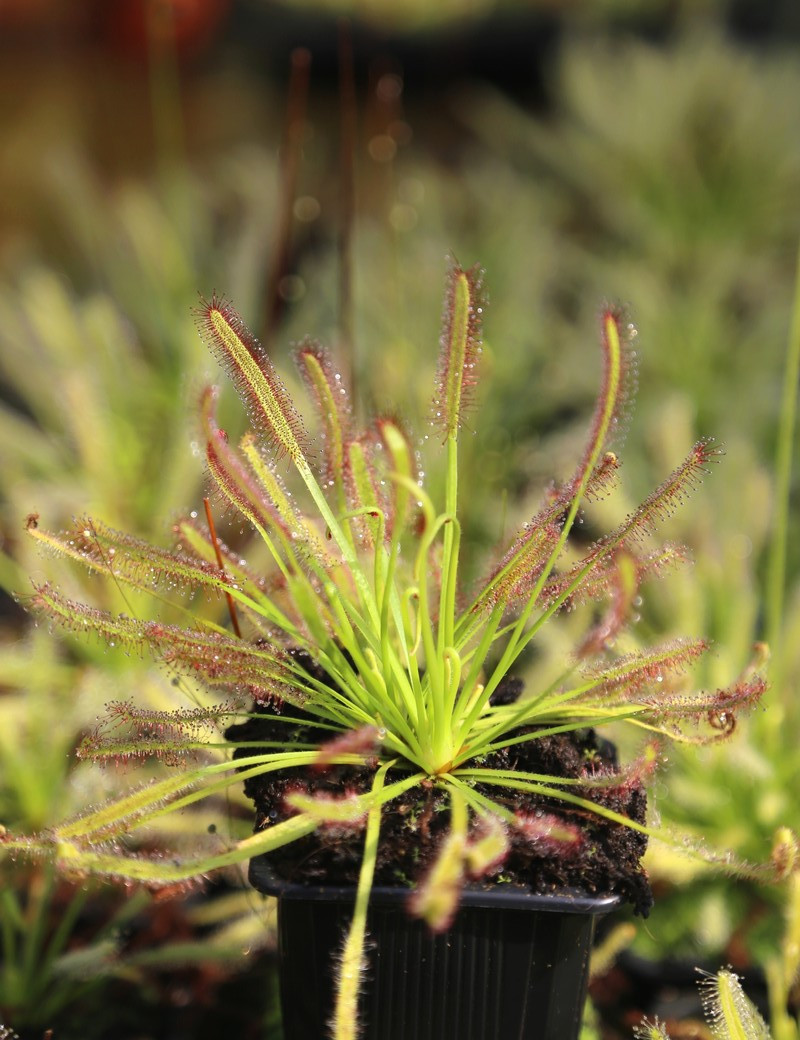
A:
(514, 965)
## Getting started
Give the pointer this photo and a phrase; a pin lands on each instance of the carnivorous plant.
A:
(361, 623)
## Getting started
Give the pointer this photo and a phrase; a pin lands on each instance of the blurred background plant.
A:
(648, 152)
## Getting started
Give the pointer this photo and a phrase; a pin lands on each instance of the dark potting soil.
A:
(607, 859)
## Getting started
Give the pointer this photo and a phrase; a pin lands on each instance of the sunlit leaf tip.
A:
(616, 392)
(460, 347)
(365, 493)
(328, 390)
(731, 1015)
(269, 405)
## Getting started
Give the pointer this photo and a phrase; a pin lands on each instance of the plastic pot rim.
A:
(498, 896)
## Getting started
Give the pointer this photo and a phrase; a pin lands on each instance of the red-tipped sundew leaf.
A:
(213, 657)
(657, 506)
(132, 560)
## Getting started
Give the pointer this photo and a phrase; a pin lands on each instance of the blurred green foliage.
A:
(677, 170)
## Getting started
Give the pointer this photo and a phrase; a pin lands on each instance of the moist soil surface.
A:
(606, 860)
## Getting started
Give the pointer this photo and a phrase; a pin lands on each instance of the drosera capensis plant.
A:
(730, 1014)
(360, 624)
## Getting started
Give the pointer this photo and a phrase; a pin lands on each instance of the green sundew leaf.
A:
(520, 568)
(233, 478)
(436, 898)
(121, 815)
(128, 731)
(657, 506)
(400, 456)
(328, 809)
(363, 488)
(603, 575)
(651, 668)
(270, 408)
(212, 656)
(520, 781)
(75, 859)
(487, 847)
(329, 393)
(518, 571)
(196, 539)
(350, 968)
(130, 559)
(718, 706)
(624, 578)
(615, 688)
(460, 348)
(549, 831)
(618, 379)
(558, 591)
(730, 1014)
(299, 529)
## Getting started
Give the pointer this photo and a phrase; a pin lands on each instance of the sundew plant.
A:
(730, 1014)
(407, 663)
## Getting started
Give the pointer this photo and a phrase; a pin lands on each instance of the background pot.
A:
(514, 965)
